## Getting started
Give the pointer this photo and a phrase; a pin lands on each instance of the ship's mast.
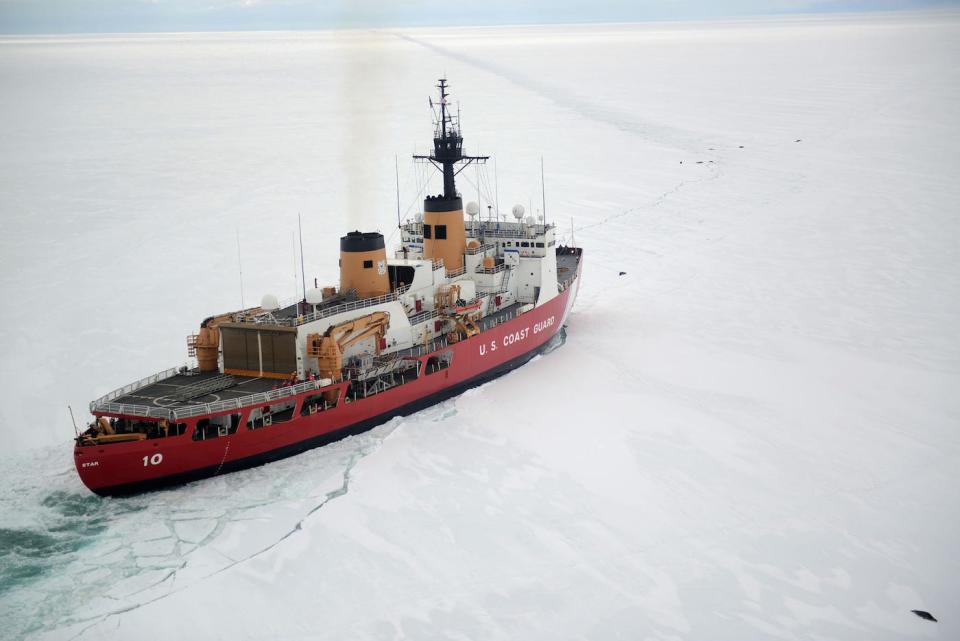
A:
(448, 145)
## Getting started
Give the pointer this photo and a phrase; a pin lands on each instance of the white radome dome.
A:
(315, 296)
(518, 211)
(472, 209)
(419, 217)
(269, 303)
(531, 220)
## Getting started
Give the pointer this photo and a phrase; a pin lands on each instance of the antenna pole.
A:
(76, 432)
(396, 169)
(479, 198)
(443, 107)
(240, 267)
(303, 273)
(448, 146)
(496, 188)
(293, 252)
(543, 194)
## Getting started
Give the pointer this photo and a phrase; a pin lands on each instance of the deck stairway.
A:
(204, 387)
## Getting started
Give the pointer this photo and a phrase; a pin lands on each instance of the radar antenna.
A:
(448, 145)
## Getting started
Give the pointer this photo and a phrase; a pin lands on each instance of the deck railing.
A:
(178, 413)
(497, 229)
(491, 290)
(512, 230)
(344, 307)
(126, 389)
(423, 316)
(133, 410)
(457, 272)
(490, 270)
(331, 311)
(243, 401)
(479, 250)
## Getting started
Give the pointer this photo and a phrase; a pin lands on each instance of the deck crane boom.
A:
(328, 347)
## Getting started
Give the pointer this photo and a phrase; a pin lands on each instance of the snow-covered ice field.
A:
(752, 434)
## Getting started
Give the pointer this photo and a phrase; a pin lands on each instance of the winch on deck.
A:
(328, 347)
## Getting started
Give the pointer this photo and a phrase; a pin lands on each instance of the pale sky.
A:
(96, 16)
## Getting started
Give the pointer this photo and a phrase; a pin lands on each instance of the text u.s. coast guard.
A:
(516, 337)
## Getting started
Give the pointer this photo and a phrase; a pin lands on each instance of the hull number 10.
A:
(156, 459)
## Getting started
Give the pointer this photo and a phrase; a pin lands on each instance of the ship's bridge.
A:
(528, 240)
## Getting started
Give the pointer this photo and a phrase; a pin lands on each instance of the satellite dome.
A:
(315, 296)
(518, 211)
(531, 220)
(269, 303)
(472, 209)
(419, 217)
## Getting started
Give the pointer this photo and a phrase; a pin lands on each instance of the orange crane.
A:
(328, 347)
(206, 344)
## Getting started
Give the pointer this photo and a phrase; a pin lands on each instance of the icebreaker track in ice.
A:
(458, 304)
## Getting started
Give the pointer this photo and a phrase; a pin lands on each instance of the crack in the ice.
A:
(171, 574)
(621, 121)
(344, 488)
(715, 174)
(163, 583)
(678, 138)
(329, 496)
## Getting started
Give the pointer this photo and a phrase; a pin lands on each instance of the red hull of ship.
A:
(124, 468)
